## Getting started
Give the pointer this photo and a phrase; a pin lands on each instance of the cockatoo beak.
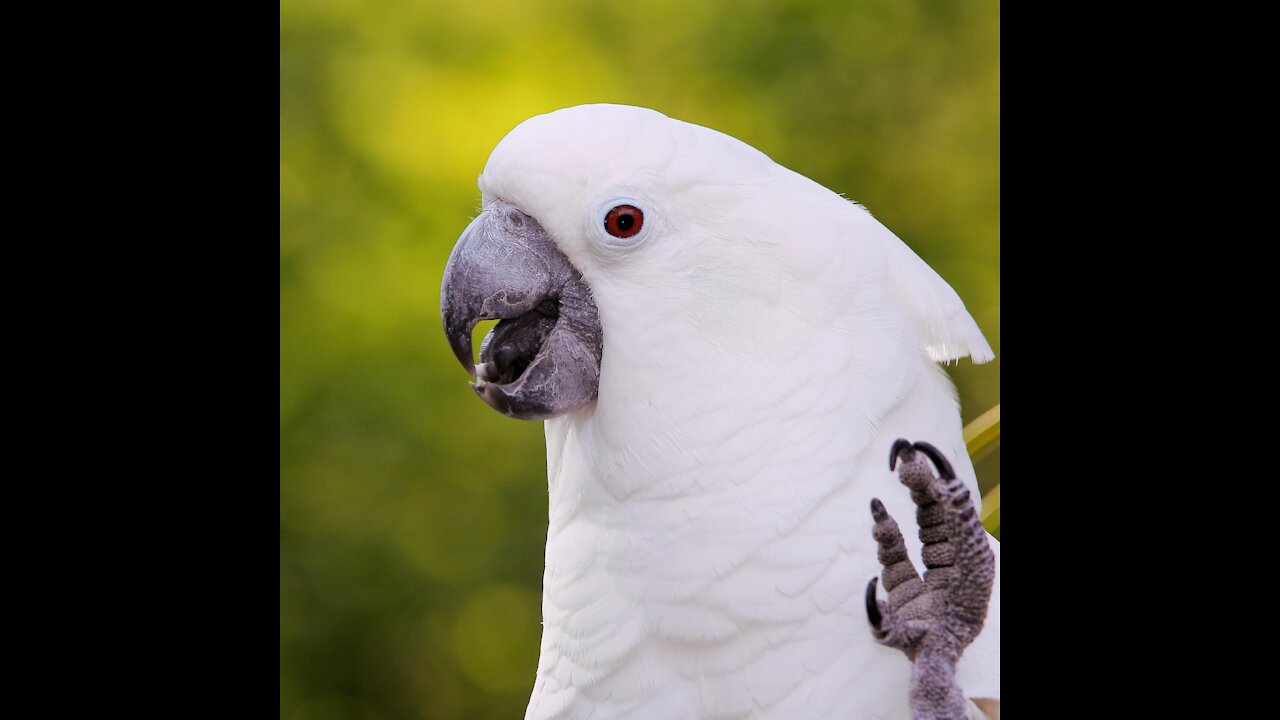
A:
(543, 359)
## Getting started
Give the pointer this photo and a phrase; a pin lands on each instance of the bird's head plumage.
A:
(616, 229)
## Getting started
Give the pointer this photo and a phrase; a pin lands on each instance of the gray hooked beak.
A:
(543, 359)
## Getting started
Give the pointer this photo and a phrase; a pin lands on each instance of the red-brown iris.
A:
(624, 221)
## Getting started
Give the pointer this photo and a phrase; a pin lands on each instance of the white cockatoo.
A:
(724, 353)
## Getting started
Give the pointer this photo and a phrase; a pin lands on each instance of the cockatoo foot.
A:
(932, 620)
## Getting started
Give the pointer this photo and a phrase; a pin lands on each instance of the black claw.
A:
(873, 611)
(940, 462)
(877, 510)
(898, 446)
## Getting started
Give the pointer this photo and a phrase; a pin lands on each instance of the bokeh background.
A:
(413, 517)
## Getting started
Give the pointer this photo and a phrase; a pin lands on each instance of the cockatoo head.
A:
(604, 221)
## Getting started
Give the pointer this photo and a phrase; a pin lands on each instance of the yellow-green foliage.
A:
(982, 438)
(413, 516)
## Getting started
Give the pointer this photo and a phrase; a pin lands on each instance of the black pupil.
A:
(625, 221)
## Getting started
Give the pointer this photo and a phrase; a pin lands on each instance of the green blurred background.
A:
(412, 516)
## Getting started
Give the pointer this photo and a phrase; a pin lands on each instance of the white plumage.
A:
(765, 342)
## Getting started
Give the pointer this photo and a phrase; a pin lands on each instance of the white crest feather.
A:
(949, 331)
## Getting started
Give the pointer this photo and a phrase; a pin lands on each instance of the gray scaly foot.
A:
(932, 620)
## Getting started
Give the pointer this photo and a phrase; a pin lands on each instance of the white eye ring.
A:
(625, 228)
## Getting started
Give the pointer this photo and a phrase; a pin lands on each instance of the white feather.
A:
(765, 343)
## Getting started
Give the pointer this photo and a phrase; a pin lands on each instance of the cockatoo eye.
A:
(624, 221)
